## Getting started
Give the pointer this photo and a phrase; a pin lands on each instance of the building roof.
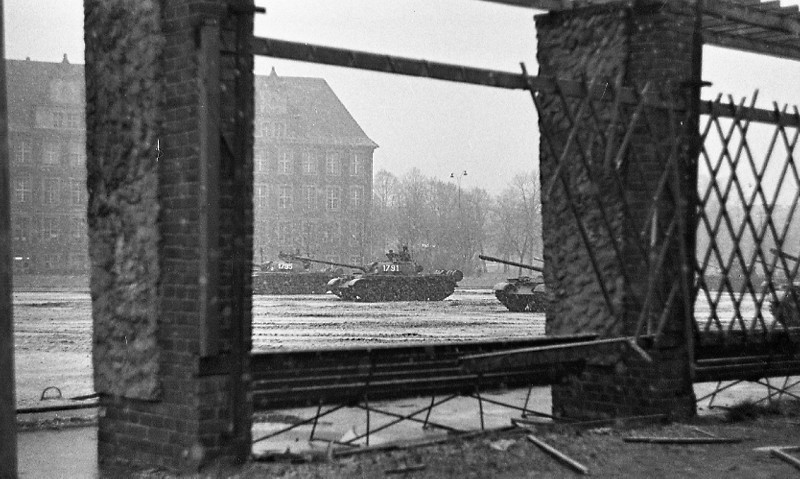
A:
(316, 113)
(30, 83)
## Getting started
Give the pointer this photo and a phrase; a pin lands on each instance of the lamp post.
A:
(460, 216)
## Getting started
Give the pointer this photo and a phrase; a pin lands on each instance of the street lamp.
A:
(458, 180)
(460, 216)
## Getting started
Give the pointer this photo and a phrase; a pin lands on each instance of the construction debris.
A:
(683, 440)
(502, 444)
(781, 454)
(563, 458)
(405, 469)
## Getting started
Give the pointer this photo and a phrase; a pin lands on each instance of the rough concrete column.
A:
(640, 44)
(170, 227)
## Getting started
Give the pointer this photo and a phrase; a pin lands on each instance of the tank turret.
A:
(524, 293)
(398, 278)
(290, 274)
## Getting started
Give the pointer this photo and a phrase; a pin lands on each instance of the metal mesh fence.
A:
(748, 233)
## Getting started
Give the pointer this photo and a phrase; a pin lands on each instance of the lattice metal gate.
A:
(749, 226)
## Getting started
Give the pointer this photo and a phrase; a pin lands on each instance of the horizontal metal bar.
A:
(66, 407)
(376, 62)
(386, 63)
(758, 115)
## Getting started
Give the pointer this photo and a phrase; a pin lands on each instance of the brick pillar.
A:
(170, 227)
(638, 44)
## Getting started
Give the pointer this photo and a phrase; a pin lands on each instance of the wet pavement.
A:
(65, 453)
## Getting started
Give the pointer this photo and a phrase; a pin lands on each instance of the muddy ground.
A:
(53, 347)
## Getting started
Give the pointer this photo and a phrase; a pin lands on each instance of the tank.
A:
(288, 275)
(520, 294)
(397, 279)
(785, 307)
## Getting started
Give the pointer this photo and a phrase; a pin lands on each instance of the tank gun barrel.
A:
(511, 263)
(777, 252)
(331, 263)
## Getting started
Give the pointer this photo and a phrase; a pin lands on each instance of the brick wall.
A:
(196, 409)
(641, 44)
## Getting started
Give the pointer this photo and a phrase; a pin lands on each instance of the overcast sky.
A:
(439, 127)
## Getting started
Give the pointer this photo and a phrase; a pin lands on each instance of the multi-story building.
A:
(313, 170)
(313, 173)
(47, 152)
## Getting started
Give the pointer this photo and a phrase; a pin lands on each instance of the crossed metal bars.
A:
(730, 195)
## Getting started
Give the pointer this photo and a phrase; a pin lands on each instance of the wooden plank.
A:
(785, 457)
(557, 354)
(683, 440)
(561, 457)
(757, 115)
(779, 50)
(748, 15)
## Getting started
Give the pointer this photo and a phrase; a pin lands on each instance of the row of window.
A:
(76, 261)
(309, 198)
(50, 153)
(271, 129)
(48, 228)
(52, 191)
(305, 235)
(309, 162)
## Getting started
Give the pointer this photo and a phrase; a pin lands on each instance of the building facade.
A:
(313, 173)
(313, 170)
(47, 150)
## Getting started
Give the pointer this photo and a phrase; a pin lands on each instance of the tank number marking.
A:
(285, 266)
(391, 268)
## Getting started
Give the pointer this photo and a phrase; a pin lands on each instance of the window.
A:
(285, 197)
(356, 165)
(22, 190)
(49, 227)
(333, 164)
(332, 202)
(76, 192)
(21, 226)
(310, 197)
(331, 233)
(285, 234)
(275, 129)
(308, 230)
(77, 154)
(355, 236)
(77, 227)
(69, 120)
(50, 190)
(261, 195)
(309, 163)
(260, 159)
(23, 152)
(51, 153)
(285, 162)
(356, 197)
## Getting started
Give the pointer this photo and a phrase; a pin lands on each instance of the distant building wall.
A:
(313, 173)
(47, 146)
